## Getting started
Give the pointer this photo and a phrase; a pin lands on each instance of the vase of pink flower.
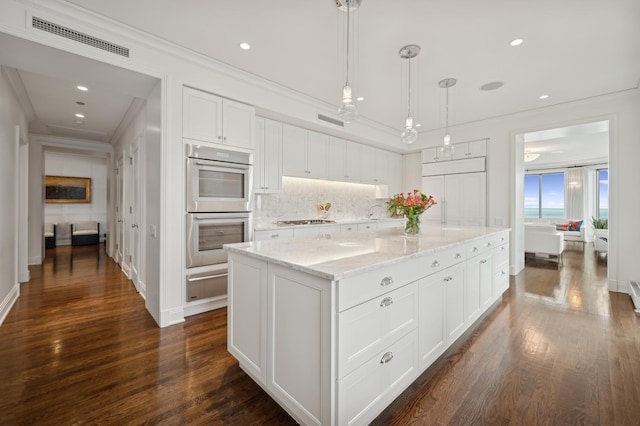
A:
(411, 206)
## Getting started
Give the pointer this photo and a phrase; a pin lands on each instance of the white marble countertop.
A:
(349, 253)
(271, 226)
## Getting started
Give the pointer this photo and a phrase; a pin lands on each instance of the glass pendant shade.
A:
(409, 134)
(347, 110)
(447, 148)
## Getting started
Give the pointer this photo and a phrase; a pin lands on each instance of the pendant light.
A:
(447, 148)
(348, 111)
(409, 134)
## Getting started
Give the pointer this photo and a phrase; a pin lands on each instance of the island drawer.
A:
(364, 393)
(360, 288)
(500, 255)
(447, 257)
(479, 246)
(499, 239)
(366, 329)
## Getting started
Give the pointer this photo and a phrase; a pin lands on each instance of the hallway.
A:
(79, 347)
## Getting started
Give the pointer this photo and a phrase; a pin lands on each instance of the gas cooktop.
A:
(305, 222)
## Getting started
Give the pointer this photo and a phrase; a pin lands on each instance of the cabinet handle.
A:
(501, 238)
(502, 248)
(435, 264)
(349, 229)
(275, 235)
(504, 273)
(386, 358)
(458, 256)
(488, 245)
(386, 281)
(219, 137)
(387, 301)
(483, 261)
(475, 249)
(447, 279)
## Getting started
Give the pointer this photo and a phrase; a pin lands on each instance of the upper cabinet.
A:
(268, 161)
(344, 160)
(210, 118)
(305, 153)
(470, 150)
(461, 151)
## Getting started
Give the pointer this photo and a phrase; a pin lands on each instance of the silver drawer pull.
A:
(502, 248)
(483, 261)
(458, 256)
(504, 273)
(208, 277)
(386, 358)
(447, 279)
(435, 264)
(387, 301)
(275, 235)
(501, 238)
(386, 281)
(475, 249)
(488, 245)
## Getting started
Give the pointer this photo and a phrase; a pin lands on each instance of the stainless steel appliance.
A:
(218, 180)
(208, 232)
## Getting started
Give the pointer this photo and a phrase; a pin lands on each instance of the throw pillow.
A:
(562, 227)
(575, 226)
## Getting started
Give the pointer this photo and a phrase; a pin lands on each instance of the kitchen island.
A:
(335, 327)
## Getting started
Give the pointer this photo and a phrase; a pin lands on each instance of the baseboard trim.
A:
(8, 302)
(35, 260)
(170, 317)
(205, 305)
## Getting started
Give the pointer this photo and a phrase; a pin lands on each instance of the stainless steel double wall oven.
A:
(219, 191)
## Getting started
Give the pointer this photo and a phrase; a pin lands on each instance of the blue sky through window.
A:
(544, 195)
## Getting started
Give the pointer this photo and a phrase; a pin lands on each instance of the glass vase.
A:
(412, 225)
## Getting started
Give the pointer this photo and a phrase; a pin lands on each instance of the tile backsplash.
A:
(300, 199)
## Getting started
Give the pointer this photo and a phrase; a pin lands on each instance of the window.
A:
(602, 194)
(544, 195)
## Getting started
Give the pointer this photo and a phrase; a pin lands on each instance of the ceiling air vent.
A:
(330, 120)
(56, 29)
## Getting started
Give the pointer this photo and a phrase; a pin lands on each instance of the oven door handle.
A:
(223, 165)
(207, 277)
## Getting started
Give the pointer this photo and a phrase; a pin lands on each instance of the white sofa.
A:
(543, 239)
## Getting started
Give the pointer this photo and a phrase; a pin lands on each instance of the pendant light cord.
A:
(409, 97)
(348, 21)
(446, 129)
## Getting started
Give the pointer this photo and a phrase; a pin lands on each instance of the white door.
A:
(134, 213)
(119, 237)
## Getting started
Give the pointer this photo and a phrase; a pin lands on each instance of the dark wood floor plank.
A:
(79, 347)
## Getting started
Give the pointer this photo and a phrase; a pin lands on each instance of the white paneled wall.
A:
(60, 164)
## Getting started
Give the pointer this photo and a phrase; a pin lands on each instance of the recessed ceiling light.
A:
(245, 46)
(516, 42)
(360, 99)
(544, 96)
(80, 115)
(83, 88)
(492, 86)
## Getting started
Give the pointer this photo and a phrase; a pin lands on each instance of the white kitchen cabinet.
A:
(500, 261)
(268, 162)
(247, 314)
(368, 159)
(273, 234)
(305, 153)
(395, 180)
(210, 118)
(432, 155)
(306, 231)
(299, 343)
(470, 150)
(432, 334)
(344, 160)
(455, 323)
(461, 198)
(381, 166)
(368, 226)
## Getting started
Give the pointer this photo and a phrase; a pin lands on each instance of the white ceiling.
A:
(573, 49)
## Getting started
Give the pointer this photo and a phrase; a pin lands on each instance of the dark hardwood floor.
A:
(79, 348)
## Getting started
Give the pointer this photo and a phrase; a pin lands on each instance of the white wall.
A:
(63, 164)
(11, 115)
(623, 109)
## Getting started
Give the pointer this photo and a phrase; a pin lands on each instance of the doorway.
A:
(561, 178)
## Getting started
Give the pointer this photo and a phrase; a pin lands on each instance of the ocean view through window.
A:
(544, 195)
(603, 193)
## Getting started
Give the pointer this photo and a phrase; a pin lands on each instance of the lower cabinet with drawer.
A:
(339, 351)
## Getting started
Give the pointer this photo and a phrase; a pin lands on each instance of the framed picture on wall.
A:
(65, 189)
